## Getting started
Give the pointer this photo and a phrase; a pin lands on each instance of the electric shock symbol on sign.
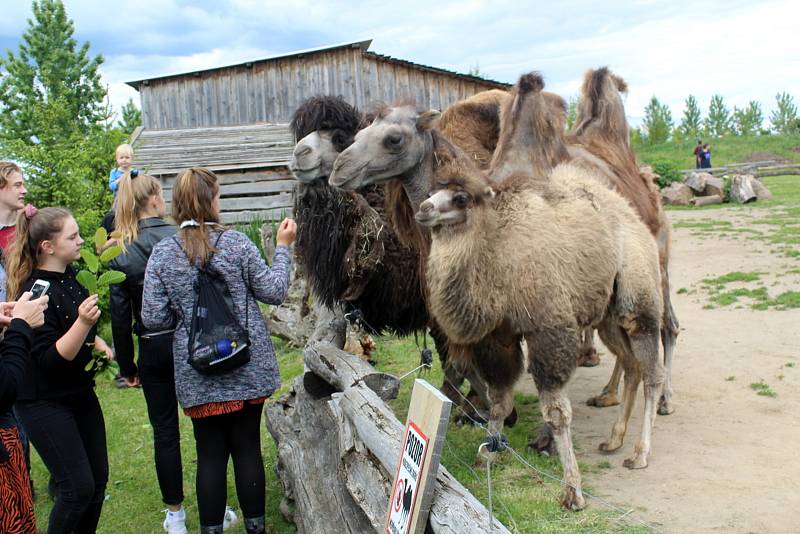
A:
(408, 480)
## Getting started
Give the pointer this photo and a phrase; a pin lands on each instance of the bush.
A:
(667, 172)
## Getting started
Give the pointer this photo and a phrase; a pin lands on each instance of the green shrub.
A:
(667, 172)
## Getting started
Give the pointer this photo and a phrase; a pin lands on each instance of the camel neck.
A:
(417, 180)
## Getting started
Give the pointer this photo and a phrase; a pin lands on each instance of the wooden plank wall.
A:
(270, 91)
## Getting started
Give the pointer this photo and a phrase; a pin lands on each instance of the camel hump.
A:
(533, 82)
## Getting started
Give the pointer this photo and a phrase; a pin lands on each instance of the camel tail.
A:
(530, 83)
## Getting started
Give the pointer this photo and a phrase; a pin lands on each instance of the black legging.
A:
(157, 374)
(70, 435)
(218, 437)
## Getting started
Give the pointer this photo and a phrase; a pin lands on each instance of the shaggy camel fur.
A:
(516, 262)
(398, 147)
(351, 256)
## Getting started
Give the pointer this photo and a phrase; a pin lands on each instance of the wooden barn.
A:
(234, 119)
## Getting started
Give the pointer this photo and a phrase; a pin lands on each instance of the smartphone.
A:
(39, 288)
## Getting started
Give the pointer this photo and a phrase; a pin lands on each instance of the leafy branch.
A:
(92, 278)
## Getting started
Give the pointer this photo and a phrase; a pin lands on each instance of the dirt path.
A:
(726, 460)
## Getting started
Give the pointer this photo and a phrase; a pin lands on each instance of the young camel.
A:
(516, 261)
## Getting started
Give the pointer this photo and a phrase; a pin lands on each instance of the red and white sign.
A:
(407, 480)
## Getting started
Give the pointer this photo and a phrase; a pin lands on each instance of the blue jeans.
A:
(69, 434)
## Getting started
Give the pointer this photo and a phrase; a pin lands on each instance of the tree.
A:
(747, 121)
(131, 117)
(692, 123)
(718, 122)
(657, 123)
(475, 70)
(572, 111)
(50, 72)
(784, 119)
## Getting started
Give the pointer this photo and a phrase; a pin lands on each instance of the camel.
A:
(335, 244)
(512, 258)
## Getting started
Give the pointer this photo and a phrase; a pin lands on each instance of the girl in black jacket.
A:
(16, 511)
(56, 404)
(140, 208)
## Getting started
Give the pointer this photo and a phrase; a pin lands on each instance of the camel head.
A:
(325, 126)
(393, 144)
(313, 156)
(459, 187)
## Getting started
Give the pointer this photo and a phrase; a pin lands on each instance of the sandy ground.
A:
(725, 461)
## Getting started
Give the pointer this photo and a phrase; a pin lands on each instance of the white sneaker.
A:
(175, 522)
(230, 518)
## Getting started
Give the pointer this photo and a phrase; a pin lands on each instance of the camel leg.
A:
(645, 349)
(557, 413)
(631, 386)
(669, 336)
(608, 397)
(589, 356)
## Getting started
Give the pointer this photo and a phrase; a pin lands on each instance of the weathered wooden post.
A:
(421, 450)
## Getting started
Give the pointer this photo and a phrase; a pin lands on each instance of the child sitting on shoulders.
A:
(124, 155)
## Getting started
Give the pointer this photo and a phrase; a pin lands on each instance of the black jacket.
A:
(48, 375)
(126, 298)
(14, 351)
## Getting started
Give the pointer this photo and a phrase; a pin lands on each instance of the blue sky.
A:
(742, 49)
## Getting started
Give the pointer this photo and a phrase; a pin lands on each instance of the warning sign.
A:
(408, 478)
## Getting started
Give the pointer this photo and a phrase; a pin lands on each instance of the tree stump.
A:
(677, 194)
(697, 181)
(705, 201)
(742, 189)
(714, 186)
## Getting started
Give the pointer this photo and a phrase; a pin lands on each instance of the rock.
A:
(714, 186)
(697, 181)
(677, 194)
(761, 190)
(742, 189)
(705, 201)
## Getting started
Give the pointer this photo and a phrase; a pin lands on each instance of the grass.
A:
(133, 503)
(724, 150)
(763, 389)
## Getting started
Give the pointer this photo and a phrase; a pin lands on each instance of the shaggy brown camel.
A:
(516, 262)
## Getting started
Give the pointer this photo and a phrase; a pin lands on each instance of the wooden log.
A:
(343, 370)
(705, 201)
(454, 509)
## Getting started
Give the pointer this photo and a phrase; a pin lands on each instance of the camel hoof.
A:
(609, 447)
(590, 358)
(573, 500)
(511, 419)
(665, 406)
(604, 400)
(544, 443)
(637, 462)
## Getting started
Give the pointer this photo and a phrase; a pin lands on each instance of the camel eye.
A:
(461, 200)
(393, 141)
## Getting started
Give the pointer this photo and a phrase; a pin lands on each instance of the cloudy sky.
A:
(743, 49)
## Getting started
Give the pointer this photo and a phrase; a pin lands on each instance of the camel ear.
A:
(489, 191)
(428, 119)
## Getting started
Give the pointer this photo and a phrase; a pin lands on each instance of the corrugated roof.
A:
(363, 45)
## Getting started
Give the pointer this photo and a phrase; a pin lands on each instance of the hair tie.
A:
(30, 211)
(134, 173)
(190, 222)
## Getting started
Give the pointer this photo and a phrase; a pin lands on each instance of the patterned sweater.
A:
(169, 296)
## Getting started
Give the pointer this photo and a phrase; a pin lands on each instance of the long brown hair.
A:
(7, 168)
(132, 197)
(192, 199)
(24, 252)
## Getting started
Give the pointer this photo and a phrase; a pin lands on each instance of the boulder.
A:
(714, 186)
(742, 189)
(705, 201)
(677, 194)
(761, 190)
(697, 181)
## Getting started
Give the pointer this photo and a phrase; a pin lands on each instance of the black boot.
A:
(255, 525)
(216, 529)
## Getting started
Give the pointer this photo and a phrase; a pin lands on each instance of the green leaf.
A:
(116, 234)
(87, 280)
(89, 366)
(110, 253)
(100, 238)
(91, 260)
(111, 277)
